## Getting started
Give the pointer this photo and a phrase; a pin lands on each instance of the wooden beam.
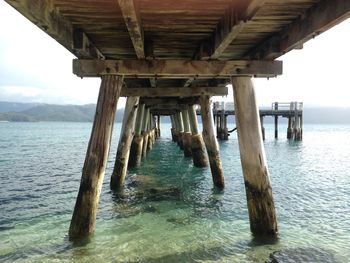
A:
(132, 20)
(176, 68)
(83, 47)
(174, 92)
(316, 20)
(169, 101)
(188, 82)
(228, 28)
(43, 14)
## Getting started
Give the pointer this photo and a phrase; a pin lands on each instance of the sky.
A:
(35, 68)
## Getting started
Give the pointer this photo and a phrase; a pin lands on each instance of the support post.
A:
(158, 126)
(121, 160)
(186, 136)
(199, 154)
(262, 127)
(260, 201)
(173, 128)
(84, 216)
(211, 142)
(289, 129)
(225, 130)
(292, 120)
(180, 130)
(144, 132)
(137, 142)
(276, 120)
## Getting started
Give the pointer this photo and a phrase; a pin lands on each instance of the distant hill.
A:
(49, 112)
(15, 106)
(14, 111)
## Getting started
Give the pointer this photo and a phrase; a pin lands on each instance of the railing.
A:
(287, 106)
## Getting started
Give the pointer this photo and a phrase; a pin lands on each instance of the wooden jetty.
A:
(293, 111)
(167, 56)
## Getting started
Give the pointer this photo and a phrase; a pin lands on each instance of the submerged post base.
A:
(136, 152)
(186, 138)
(199, 155)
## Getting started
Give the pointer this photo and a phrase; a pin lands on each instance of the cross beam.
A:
(316, 20)
(176, 68)
(132, 20)
(174, 92)
(168, 101)
(228, 28)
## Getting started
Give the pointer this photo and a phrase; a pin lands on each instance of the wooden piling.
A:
(173, 129)
(225, 129)
(137, 142)
(144, 132)
(211, 142)
(84, 215)
(262, 127)
(276, 121)
(121, 160)
(199, 154)
(289, 129)
(186, 136)
(158, 126)
(180, 130)
(260, 201)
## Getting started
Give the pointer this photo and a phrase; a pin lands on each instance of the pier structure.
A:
(293, 111)
(166, 56)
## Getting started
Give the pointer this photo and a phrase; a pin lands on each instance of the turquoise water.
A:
(187, 220)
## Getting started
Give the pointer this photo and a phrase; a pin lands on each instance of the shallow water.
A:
(169, 211)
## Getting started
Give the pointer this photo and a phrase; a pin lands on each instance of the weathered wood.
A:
(140, 114)
(260, 201)
(174, 92)
(145, 132)
(315, 21)
(262, 127)
(176, 68)
(199, 155)
(132, 20)
(136, 151)
(46, 17)
(173, 128)
(230, 25)
(137, 142)
(211, 142)
(289, 129)
(192, 116)
(84, 215)
(158, 126)
(187, 133)
(126, 136)
(276, 121)
(180, 129)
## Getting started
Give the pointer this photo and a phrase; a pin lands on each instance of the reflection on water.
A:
(169, 210)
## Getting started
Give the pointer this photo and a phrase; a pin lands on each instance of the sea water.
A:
(169, 211)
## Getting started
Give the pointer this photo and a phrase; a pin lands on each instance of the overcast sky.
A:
(35, 68)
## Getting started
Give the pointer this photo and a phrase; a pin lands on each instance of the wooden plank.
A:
(176, 68)
(230, 25)
(43, 14)
(132, 20)
(316, 20)
(174, 92)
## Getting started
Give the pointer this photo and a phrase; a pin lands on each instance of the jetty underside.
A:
(166, 56)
